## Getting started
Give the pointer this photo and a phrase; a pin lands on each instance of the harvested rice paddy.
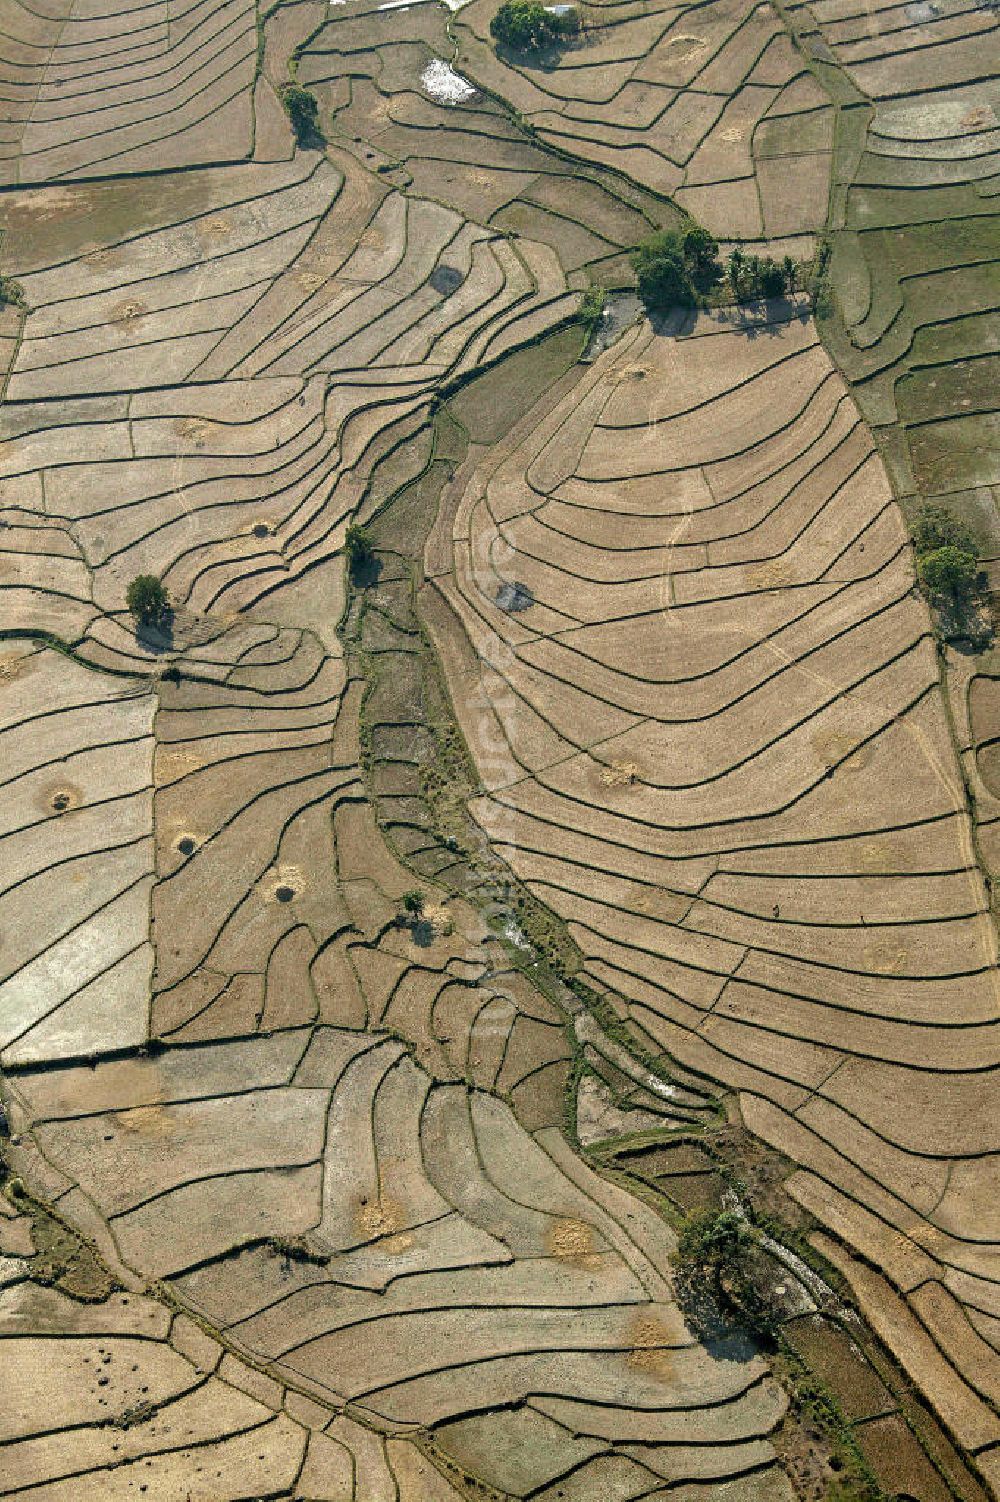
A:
(408, 941)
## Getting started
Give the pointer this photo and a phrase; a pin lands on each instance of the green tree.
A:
(790, 273)
(701, 256)
(771, 279)
(734, 270)
(413, 902)
(526, 26)
(592, 306)
(147, 600)
(948, 571)
(935, 527)
(719, 1276)
(566, 22)
(360, 550)
(662, 273)
(302, 110)
(712, 1239)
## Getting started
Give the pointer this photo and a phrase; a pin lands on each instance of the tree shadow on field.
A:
(422, 933)
(310, 137)
(966, 623)
(672, 322)
(366, 571)
(157, 636)
(535, 59)
(732, 1345)
(765, 315)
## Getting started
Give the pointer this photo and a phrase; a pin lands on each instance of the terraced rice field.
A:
(306, 1195)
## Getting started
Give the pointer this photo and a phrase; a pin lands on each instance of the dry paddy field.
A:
(914, 316)
(302, 1197)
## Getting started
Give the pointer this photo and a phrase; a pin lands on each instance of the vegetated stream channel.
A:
(855, 1428)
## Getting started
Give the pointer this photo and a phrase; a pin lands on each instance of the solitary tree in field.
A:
(147, 599)
(303, 111)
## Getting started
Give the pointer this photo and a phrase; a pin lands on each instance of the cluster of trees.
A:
(720, 1279)
(677, 267)
(753, 277)
(682, 267)
(946, 555)
(527, 26)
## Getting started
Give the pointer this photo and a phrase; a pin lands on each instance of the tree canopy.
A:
(936, 527)
(360, 551)
(753, 277)
(676, 267)
(948, 571)
(147, 600)
(302, 110)
(526, 25)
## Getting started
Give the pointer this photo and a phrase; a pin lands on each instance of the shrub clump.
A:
(935, 527)
(818, 281)
(720, 1279)
(592, 307)
(360, 550)
(296, 1249)
(302, 110)
(11, 293)
(147, 600)
(528, 26)
(676, 268)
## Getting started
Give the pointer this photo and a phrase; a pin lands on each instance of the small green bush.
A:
(302, 110)
(592, 306)
(11, 293)
(147, 600)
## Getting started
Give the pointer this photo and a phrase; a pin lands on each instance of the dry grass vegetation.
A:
(536, 825)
